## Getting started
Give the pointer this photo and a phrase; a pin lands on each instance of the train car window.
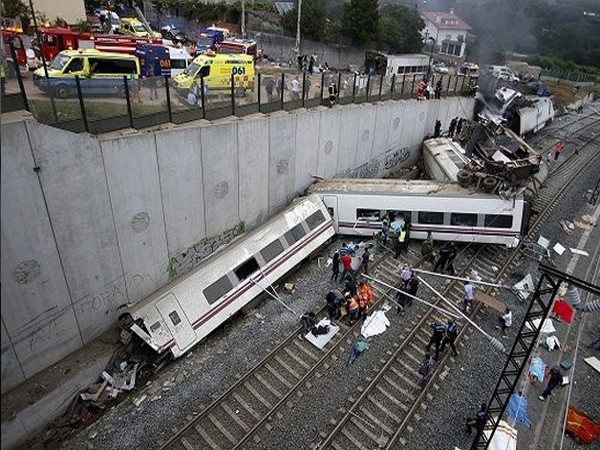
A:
(498, 221)
(315, 219)
(295, 234)
(373, 215)
(218, 289)
(463, 220)
(433, 218)
(246, 269)
(175, 318)
(155, 327)
(272, 250)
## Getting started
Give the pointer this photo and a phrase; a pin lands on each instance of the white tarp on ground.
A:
(505, 437)
(547, 327)
(322, 339)
(375, 324)
(525, 287)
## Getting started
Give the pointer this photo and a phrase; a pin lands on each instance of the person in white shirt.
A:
(295, 89)
(469, 296)
(505, 321)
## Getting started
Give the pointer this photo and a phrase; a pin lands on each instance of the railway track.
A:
(249, 406)
(552, 132)
(381, 415)
(383, 410)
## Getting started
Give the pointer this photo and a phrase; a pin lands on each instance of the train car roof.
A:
(390, 186)
(232, 248)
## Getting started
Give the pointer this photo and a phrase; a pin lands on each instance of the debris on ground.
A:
(289, 288)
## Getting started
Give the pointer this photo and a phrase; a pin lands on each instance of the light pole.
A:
(298, 28)
(433, 42)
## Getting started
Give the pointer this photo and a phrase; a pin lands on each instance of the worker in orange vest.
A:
(365, 292)
(353, 308)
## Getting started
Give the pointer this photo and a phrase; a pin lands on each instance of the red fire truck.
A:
(15, 38)
(56, 39)
(236, 45)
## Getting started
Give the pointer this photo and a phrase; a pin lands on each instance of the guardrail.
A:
(75, 104)
(570, 76)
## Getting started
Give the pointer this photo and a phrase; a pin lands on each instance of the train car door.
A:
(176, 320)
(331, 204)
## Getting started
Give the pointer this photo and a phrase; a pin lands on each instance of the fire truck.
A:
(56, 39)
(236, 45)
(11, 31)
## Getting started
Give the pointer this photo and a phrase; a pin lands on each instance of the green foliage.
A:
(202, 12)
(16, 9)
(360, 20)
(84, 26)
(399, 29)
(313, 22)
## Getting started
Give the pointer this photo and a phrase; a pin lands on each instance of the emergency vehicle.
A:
(216, 70)
(235, 45)
(166, 61)
(15, 38)
(208, 40)
(133, 27)
(57, 39)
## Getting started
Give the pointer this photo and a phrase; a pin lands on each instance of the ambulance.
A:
(216, 70)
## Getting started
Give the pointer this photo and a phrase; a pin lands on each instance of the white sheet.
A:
(375, 324)
(322, 339)
(547, 327)
(505, 437)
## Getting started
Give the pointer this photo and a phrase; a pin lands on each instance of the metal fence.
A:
(570, 76)
(140, 103)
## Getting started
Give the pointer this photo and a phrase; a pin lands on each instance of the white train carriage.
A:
(183, 312)
(449, 211)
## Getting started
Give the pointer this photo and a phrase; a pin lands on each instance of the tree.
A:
(313, 22)
(400, 29)
(16, 9)
(360, 20)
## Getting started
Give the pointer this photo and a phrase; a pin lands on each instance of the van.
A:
(166, 61)
(216, 70)
(100, 73)
(503, 73)
(133, 27)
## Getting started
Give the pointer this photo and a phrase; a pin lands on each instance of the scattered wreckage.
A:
(484, 156)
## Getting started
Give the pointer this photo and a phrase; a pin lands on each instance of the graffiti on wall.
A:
(394, 158)
(192, 256)
(390, 161)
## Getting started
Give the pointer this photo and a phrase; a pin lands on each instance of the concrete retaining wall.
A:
(90, 224)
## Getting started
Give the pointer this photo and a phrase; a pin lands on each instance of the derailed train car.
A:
(449, 211)
(182, 313)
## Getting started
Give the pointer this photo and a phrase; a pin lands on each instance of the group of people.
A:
(355, 300)
(455, 127)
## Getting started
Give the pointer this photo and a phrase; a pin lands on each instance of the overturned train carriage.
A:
(182, 313)
(449, 211)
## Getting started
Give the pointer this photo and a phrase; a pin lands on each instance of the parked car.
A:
(174, 34)
(440, 68)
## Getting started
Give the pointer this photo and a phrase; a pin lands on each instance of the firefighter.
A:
(333, 92)
(439, 329)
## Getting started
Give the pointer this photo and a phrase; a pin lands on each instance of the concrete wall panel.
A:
(282, 158)
(34, 289)
(329, 142)
(382, 132)
(220, 175)
(307, 146)
(253, 151)
(433, 113)
(348, 131)
(132, 172)
(366, 129)
(180, 171)
(72, 168)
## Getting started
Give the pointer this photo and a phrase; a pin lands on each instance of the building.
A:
(70, 10)
(449, 33)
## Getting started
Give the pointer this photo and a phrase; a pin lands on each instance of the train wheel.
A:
(489, 184)
(464, 178)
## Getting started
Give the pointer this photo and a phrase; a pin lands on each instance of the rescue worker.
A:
(365, 258)
(428, 246)
(350, 285)
(308, 321)
(365, 294)
(400, 244)
(401, 300)
(334, 299)
(439, 329)
(478, 421)
(3, 73)
(450, 260)
(442, 261)
(346, 261)
(469, 296)
(426, 370)
(335, 268)
(333, 92)
(353, 308)
(412, 286)
(421, 87)
(554, 380)
(450, 337)
(438, 129)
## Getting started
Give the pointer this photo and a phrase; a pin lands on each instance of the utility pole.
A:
(298, 28)
(244, 19)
